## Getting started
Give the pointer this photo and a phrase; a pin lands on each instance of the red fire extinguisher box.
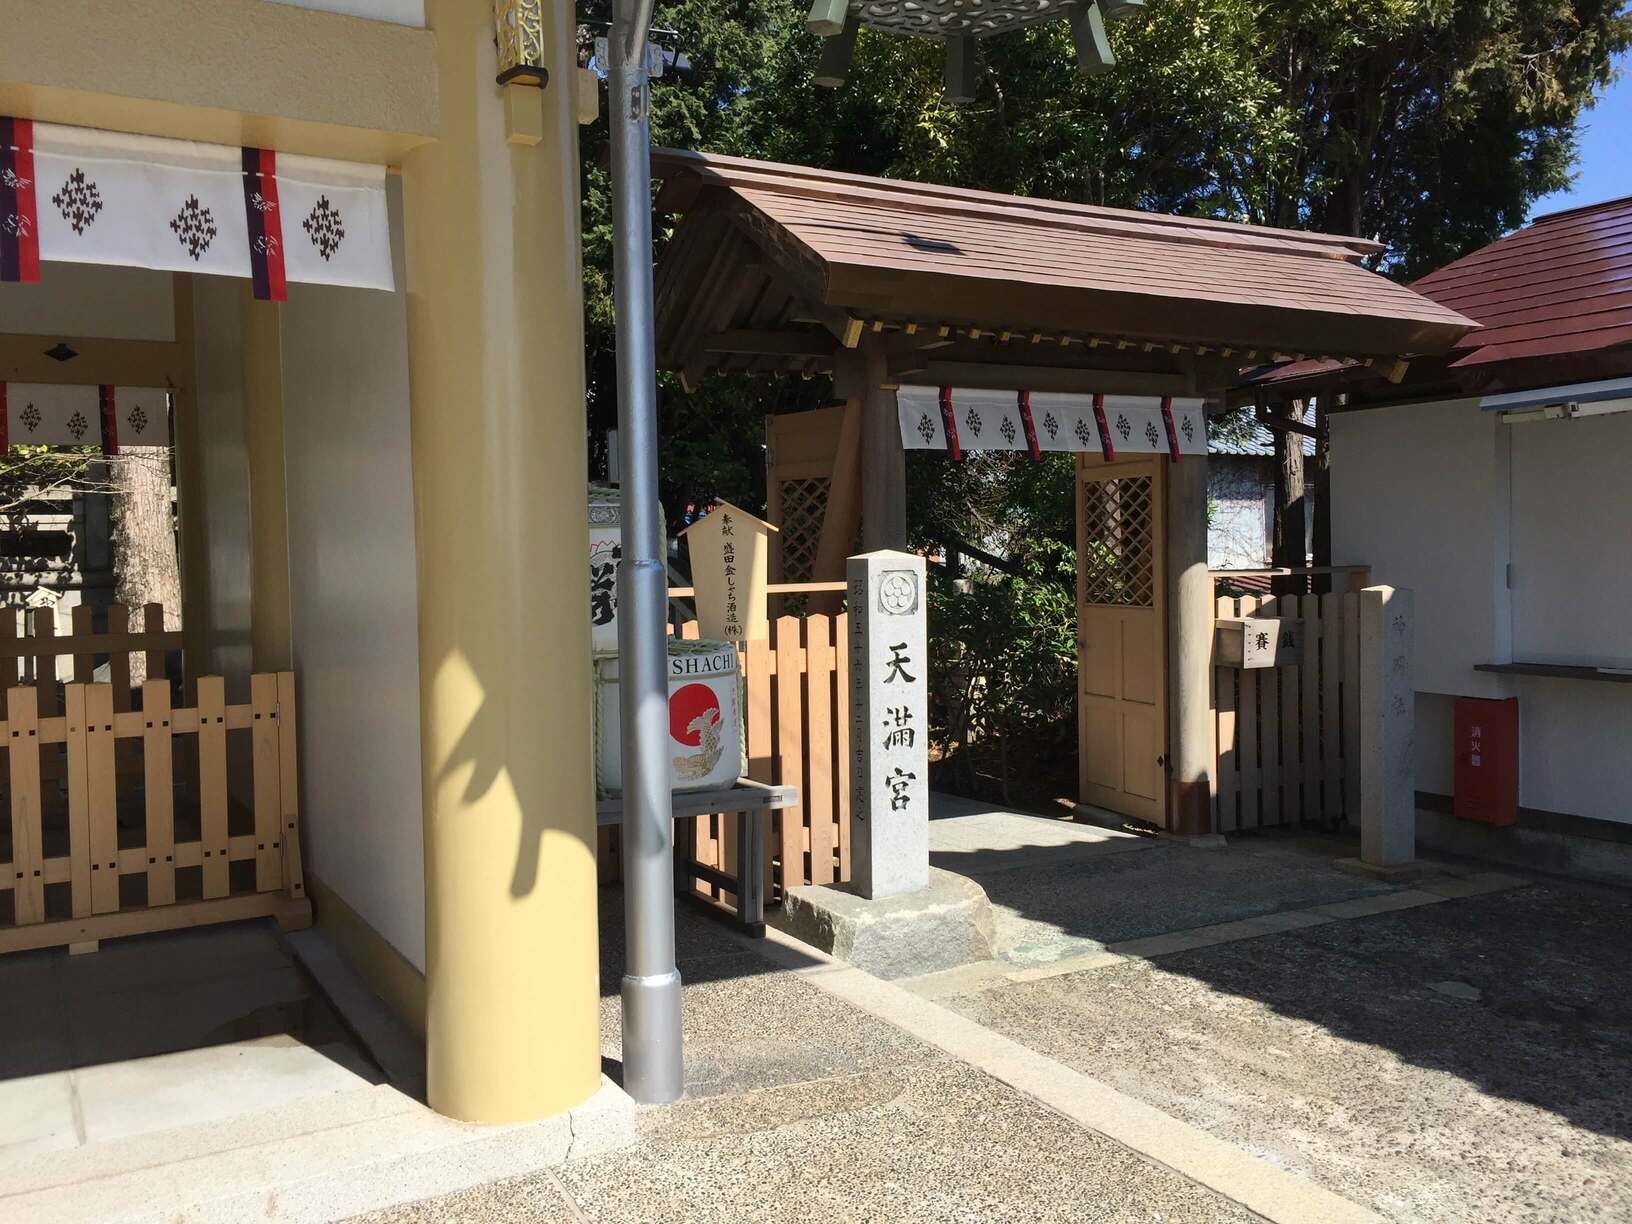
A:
(1487, 759)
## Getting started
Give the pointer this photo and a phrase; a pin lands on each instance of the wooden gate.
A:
(122, 821)
(1288, 738)
(1121, 632)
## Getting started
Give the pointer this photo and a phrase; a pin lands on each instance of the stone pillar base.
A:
(1389, 873)
(941, 926)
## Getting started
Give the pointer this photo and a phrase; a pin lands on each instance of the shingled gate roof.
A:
(814, 258)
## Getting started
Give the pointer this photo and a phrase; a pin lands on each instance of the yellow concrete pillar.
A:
(495, 333)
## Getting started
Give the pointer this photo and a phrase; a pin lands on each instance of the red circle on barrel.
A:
(685, 705)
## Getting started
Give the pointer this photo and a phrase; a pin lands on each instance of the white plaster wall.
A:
(225, 466)
(402, 12)
(92, 300)
(1417, 496)
(354, 598)
(1572, 540)
(1440, 498)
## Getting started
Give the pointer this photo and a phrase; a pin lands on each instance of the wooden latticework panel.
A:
(1118, 563)
(804, 503)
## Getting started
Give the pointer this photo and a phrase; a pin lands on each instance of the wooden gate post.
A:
(1190, 652)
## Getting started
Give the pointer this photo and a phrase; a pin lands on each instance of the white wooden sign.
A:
(730, 564)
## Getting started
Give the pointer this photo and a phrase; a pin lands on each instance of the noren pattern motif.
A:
(1123, 425)
(972, 420)
(1052, 424)
(926, 428)
(137, 419)
(324, 226)
(1084, 434)
(194, 228)
(77, 425)
(1189, 430)
(1007, 430)
(1151, 435)
(78, 201)
(30, 417)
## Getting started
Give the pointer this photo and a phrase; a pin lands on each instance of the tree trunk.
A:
(1321, 480)
(1290, 536)
(146, 569)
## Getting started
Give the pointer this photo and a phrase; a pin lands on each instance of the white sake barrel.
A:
(705, 745)
(605, 558)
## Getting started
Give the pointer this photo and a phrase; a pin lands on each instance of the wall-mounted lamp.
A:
(518, 28)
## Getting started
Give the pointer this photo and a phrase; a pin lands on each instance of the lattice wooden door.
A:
(1121, 635)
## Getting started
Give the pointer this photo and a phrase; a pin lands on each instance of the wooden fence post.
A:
(27, 859)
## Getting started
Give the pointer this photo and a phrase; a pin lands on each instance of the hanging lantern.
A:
(960, 24)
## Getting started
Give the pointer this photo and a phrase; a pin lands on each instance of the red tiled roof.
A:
(1563, 284)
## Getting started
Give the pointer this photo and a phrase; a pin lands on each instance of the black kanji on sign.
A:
(323, 225)
(898, 662)
(194, 227)
(78, 201)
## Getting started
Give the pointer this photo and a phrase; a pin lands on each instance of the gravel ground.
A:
(1464, 1061)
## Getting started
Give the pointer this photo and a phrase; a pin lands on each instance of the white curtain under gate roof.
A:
(992, 420)
(142, 201)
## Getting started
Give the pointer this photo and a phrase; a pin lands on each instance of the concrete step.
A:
(318, 1159)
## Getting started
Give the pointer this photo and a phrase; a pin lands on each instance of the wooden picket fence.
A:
(123, 821)
(797, 723)
(1287, 739)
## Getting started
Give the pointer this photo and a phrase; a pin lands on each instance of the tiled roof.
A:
(1563, 284)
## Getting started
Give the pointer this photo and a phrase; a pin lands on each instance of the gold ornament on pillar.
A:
(518, 28)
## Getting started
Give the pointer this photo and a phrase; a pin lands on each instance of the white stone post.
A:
(1388, 790)
(889, 724)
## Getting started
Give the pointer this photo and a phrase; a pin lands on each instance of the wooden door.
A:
(1121, 636)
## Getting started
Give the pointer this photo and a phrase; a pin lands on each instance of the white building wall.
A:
(1441, 498)
(353, 597)
(1238, 504)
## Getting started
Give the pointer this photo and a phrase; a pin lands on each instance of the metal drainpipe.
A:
(652, 1071)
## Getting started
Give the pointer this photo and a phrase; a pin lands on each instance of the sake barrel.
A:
(605, 558)
(705, 745)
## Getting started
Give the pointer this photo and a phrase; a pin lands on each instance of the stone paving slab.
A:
(1077, 907)
(1447, 1062)
(935, 1141)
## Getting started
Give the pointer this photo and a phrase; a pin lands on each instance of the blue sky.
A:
(1605, 169)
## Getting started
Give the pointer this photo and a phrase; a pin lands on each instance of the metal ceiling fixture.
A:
(959, 23)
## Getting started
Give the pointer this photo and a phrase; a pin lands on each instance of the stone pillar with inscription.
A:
(1388, 792)
(889, 728)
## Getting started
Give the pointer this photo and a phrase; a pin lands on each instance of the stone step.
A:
(318, 1159)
